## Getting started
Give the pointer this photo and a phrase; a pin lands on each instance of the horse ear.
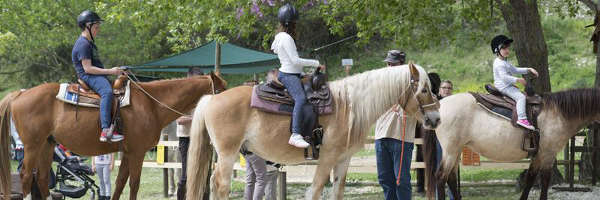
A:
(413, 70)
(217, 77)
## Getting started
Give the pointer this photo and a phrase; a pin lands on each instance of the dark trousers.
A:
(184, 143)
(387, 151)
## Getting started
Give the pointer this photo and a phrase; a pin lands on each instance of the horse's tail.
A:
(5, 143)
(430, 158)
(199, 153)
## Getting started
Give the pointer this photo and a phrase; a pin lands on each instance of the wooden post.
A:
(595, 146)
(566, 157)
(217, 58)
(166, 175)
(282, 187)
(572, 163)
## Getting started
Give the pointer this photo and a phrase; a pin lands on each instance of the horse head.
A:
(420, 100)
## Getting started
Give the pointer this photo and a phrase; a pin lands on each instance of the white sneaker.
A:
(297, 141)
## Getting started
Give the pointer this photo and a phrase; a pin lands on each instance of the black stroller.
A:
(72, 176)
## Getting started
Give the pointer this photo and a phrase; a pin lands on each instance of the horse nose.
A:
(436, 122)
(433, 120)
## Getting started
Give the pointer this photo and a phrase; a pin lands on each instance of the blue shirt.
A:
(84, 49)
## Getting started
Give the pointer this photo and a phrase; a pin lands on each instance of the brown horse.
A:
(41, 120)
(359, 100)
(468, 124)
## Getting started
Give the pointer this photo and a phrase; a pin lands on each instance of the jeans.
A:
(293, 84)
(100, 85)
(388, 152)
(256, 171)
(184, 143)
(103, 171)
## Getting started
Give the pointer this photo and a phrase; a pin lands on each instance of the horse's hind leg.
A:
(43, 170)
(29, 163)
(222, 176)
(121, 177)
(339, 180)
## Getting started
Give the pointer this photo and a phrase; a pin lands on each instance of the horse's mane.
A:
(364, 97)
(575, 103)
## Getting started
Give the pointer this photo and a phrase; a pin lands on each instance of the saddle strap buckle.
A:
(530, 142)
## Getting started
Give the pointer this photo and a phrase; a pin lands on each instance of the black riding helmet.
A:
(85, 17)
(499, 42)
(287, 13)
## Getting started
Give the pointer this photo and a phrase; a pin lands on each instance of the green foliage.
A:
(448, 37)
(45, 31)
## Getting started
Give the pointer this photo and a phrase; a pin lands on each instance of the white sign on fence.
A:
(347, 62)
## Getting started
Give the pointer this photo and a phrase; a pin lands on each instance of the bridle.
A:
(413, 88)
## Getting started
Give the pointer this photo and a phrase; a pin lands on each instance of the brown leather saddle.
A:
(318, 95)
(83, 89)
(504, 106)
(87, 95)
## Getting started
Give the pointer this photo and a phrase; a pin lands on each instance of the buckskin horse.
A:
(465, 123)
(42, 120)
(227, 121)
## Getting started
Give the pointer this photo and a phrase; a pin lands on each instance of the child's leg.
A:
(100, 171)
(106, 177)
(519, 97)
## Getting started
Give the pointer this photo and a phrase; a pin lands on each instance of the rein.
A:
(156, 100)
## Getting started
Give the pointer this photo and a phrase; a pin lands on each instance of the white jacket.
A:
(503, 72)
(285, 48)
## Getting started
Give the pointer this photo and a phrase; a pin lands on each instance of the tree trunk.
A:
(524, 24)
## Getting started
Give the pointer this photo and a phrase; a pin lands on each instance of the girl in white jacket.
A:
(291, 69)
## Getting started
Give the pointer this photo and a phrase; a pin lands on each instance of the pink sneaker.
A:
(525, 123)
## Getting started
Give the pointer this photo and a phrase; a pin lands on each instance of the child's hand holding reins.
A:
(533, 71)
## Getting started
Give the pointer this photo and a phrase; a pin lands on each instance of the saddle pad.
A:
(72, 98)
(280, 108)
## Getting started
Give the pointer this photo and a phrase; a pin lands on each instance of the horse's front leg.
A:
(321, 177)
(339, 180)
(135, 161)
(121, 177)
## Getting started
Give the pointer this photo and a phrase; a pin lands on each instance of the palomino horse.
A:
(229, 121)
(467, 124)
(41, 120)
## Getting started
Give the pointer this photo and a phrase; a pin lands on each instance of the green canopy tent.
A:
(234, 60)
